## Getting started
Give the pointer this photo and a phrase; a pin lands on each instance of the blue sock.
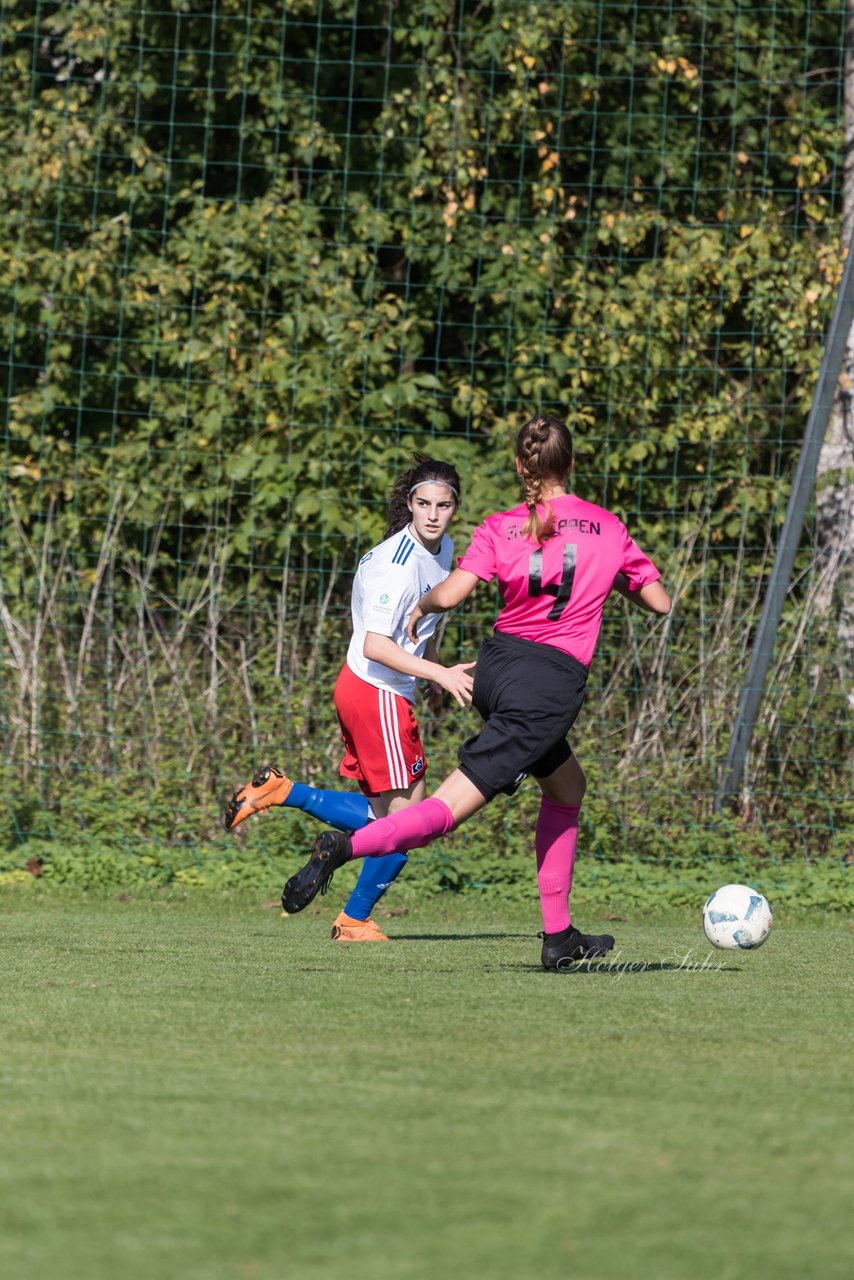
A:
(344, 810)
(348, 811)
(374, 878)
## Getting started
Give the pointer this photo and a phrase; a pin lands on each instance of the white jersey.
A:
(389, 582)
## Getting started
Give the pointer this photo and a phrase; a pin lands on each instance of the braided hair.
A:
(544, 448)
(425, 471)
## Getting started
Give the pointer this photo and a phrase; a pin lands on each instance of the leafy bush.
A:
(236, 296)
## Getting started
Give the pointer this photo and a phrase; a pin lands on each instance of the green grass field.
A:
(199, 1088)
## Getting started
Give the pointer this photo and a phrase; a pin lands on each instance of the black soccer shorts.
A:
(529, 694)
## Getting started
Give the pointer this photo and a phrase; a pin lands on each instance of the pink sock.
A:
(557, 836)
(407, 829)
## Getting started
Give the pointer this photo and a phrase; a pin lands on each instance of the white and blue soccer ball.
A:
(737, 917)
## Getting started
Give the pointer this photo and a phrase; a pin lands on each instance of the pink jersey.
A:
(554, 594)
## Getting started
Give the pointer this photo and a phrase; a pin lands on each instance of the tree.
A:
(835, 483)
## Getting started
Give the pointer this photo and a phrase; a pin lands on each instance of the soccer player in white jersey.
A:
(375, 689)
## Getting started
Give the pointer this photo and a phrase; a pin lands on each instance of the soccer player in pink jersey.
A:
(556, 559)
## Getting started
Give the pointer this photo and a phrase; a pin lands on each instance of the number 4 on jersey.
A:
(560, 590)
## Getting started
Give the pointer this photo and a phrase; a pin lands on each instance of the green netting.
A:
(253, 254)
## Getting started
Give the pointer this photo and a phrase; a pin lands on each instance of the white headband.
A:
(446, 483)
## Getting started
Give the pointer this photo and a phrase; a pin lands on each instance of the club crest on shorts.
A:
(417, 767)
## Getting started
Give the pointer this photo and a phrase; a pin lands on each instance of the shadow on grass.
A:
(461, 937)
(397, 968)
(611, 971)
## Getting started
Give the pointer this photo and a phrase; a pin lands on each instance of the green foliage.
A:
(229, 284)
(113, 836)
(250, 259)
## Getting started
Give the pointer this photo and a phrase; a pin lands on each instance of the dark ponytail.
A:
(425, 471)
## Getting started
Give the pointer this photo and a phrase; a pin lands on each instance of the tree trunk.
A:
(835, 479)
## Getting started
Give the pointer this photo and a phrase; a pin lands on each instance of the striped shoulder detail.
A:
(403, 550)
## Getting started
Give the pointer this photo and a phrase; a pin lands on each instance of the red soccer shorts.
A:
(381, 737)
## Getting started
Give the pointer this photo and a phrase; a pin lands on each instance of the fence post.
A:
(781, 571)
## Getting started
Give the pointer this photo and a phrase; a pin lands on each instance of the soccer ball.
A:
(737, 917)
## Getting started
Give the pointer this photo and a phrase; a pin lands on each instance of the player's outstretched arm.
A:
(456, 588)
(457, 681)
(652, 598)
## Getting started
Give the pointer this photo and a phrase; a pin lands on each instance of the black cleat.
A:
(331, 850)
(560, 950)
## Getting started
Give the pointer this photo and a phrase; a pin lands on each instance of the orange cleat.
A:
(268, 787)
(346, 929)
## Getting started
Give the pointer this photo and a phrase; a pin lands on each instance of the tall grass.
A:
(141, 664)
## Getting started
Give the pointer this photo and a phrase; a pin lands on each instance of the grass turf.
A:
(200, 1089)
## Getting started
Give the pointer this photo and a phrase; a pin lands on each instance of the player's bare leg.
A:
(567, 784)
(461, 796)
